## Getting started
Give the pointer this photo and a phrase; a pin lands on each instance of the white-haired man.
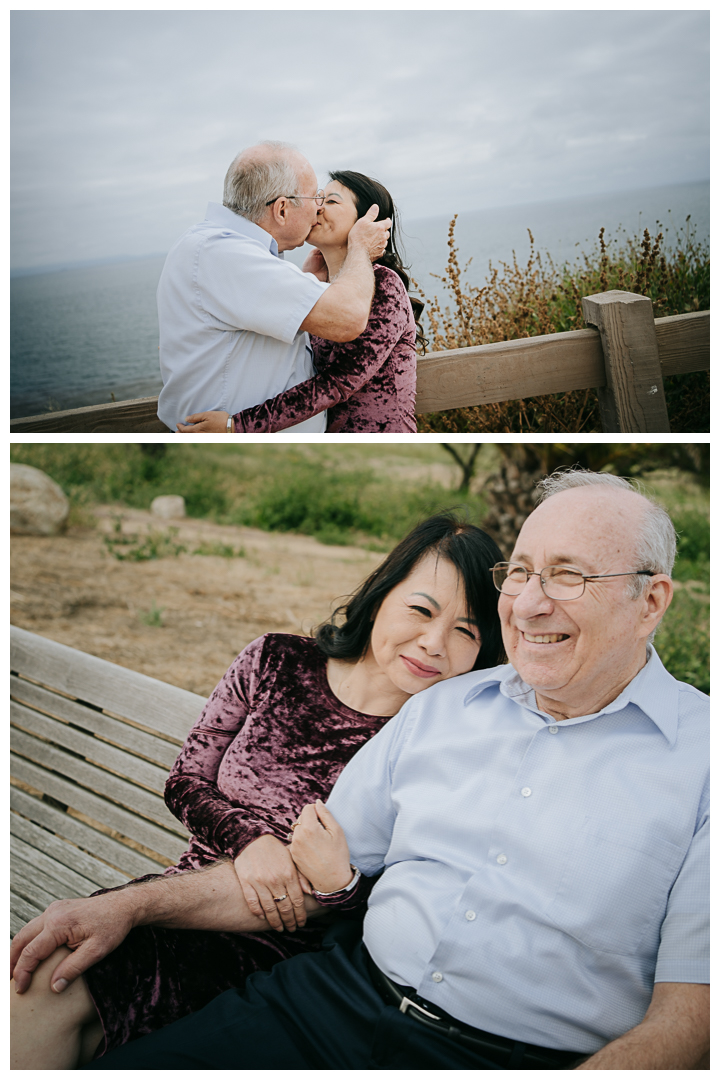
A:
(541, 829)
(234, 317)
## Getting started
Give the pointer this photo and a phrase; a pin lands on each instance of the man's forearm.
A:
(341, 313)
(675, 1033)
(209, 899)
(92, 927)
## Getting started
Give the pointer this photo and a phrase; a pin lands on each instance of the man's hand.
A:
(91, 927)
(206, 421)
(315, 264)
(370, 234)
(320, 849)
(266, 870)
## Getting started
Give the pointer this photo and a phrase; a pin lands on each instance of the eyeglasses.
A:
(557, 582)
(319, 198)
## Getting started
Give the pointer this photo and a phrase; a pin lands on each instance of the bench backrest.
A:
(91, 746)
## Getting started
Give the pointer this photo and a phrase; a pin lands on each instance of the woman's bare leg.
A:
(46, 1029)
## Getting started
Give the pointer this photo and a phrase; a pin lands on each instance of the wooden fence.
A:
(624, 354)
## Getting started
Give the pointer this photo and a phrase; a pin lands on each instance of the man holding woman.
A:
(234, 317)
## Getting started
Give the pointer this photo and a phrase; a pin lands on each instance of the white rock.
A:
(168, 506)
(38, 506)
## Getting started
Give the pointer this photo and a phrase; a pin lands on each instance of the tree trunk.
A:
(510, 493)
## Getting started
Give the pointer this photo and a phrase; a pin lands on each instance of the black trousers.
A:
(314, 1011)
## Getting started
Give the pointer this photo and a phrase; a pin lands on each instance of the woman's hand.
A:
(206, 421)
(320, 849)
(315, 264)
(266, 870)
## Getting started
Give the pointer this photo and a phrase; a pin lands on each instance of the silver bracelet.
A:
(228, 428)
(338, 892)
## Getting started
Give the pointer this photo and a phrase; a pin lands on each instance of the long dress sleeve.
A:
(191, 791)
(350, 366)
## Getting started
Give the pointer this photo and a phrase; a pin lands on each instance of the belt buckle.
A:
(406, 1003)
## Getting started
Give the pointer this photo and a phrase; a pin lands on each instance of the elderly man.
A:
(541, 829)
(234, 317)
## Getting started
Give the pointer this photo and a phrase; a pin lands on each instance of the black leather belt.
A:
(507, 1053)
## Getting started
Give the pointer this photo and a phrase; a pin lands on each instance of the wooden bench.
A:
(91, 746)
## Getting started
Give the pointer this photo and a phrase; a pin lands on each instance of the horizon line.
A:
(81, 264)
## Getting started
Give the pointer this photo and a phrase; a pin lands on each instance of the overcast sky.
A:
(124, 122)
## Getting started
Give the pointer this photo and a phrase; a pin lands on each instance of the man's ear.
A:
(656, 601)
(279, 209)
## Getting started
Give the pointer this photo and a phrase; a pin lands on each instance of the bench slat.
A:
(21, 912)
(102, 876)
(148, 703)
(125, 794)
(124, 859)
(93, 806)
(48, 869)
(35, 887)
(96, 751)
(40, 889)
(158, 751)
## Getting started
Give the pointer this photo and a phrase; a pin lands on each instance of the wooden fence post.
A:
(633, 398)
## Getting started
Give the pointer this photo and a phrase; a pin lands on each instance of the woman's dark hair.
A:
(367, 191)
(466, 546)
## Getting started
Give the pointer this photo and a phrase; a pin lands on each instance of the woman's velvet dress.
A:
(366, 385)
(271, 738)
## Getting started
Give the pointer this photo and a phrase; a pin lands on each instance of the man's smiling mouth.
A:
(545, 639)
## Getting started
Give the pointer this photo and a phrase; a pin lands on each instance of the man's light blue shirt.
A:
(230, 312)
(539, 876)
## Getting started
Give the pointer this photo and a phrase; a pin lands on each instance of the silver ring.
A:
(277, 899)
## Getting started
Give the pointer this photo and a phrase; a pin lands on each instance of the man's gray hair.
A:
(253, 180)
(656, 542)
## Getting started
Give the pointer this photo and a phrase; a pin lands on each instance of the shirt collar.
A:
(653, 690)
(228, 219)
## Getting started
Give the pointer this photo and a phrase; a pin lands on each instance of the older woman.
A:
(273, 737)
(367, 384)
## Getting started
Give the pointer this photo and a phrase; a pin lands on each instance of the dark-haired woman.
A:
(367, 384)
(274, 736)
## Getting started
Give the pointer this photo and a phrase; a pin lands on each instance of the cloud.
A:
(124, 122)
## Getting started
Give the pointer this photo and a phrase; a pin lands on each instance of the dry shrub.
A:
(519, 301)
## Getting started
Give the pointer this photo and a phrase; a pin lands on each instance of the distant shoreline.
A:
(570, 201)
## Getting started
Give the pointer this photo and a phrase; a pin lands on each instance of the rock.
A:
(38, 506)
(168, 506)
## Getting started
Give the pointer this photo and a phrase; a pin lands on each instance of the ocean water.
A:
(79, 336)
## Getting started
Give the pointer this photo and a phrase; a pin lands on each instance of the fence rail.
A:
(624, 355)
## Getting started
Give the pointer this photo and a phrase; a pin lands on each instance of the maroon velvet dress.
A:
(271, 738)
(366, 385)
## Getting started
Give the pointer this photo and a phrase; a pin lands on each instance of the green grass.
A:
(225, 551)
(129, 547)
(153, 617)
(367, 495)
(683, 640)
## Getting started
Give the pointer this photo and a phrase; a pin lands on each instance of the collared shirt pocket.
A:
(614, 886)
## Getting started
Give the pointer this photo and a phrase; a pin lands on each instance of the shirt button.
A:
(437, 976)
(469, 915)
(526, 791)
(502, 859)
(553, 729)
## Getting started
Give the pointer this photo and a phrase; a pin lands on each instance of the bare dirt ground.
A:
(72, 589)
